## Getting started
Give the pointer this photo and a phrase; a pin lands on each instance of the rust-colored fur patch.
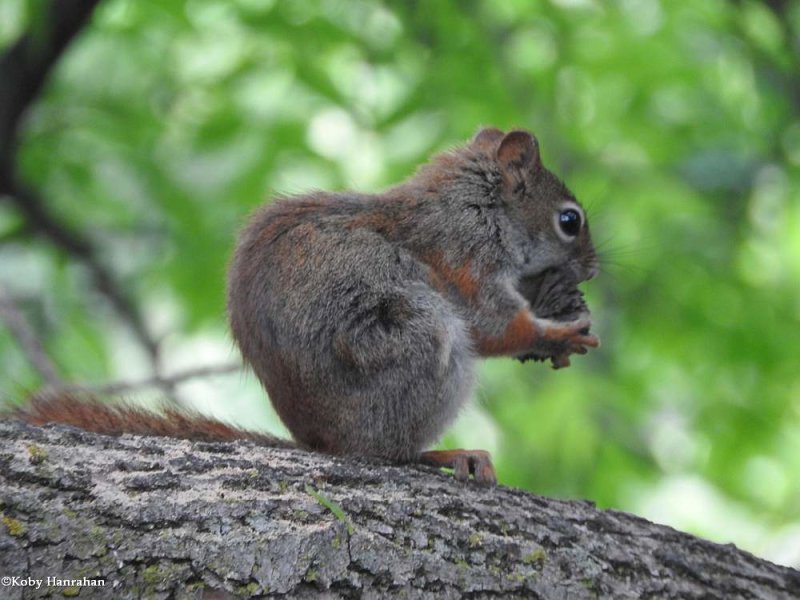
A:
(519, 335)
(382, 222)
(461, 278)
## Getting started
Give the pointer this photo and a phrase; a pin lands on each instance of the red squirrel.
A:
(362, 315)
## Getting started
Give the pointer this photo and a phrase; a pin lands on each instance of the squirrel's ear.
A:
(518, 154)
(486, 136)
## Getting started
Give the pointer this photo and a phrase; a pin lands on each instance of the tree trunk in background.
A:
(164, 518)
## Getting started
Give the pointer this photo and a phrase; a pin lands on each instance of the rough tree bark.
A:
(165, 518)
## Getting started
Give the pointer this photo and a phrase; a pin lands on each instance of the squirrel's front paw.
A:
(573, 333)
(558, 340)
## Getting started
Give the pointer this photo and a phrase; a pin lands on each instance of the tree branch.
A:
(24, 68)
(27, 339)
(159, 381)
(170, 518)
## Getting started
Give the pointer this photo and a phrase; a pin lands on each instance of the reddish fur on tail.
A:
(89, 414)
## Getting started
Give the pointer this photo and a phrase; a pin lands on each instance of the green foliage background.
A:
(676, 124)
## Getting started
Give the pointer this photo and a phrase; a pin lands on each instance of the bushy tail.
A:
(88, 413)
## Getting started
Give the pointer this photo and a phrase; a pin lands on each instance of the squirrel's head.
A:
(536, 200)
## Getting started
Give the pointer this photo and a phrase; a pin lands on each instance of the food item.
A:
(554, 294)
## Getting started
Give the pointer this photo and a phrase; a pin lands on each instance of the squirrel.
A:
(363, 314)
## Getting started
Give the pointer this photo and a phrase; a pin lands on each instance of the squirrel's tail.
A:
(89, 414)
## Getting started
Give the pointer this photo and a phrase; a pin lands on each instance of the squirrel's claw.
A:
(478, 463)
(584, 340)
(568, 338)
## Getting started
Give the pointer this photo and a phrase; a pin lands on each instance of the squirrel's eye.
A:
(569, 221)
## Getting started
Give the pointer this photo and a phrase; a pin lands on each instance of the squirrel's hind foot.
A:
(478, 463)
